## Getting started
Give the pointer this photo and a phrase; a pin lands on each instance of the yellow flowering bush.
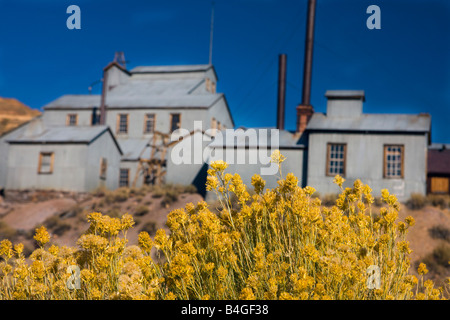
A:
(279, 243)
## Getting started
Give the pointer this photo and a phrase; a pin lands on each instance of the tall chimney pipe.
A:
(309, 41)
(281, 90)
(102, 120)
(305, 109)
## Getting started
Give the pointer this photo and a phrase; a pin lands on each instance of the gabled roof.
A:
(133, 149)
(63, 135)
(171, 69)
(174, 69)
(371, 123)
(345, 94)
(439, 160)
(75, 101)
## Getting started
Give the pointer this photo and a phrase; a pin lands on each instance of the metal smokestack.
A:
(305, 109)
(281, 90)
(309, 42)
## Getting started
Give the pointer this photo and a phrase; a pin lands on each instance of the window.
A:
(124, 177)
(95, 117)
(175, 120)
(149, 123)
(208, 84)
(393, 161)
(122, 123)
(103, 167)
(336, 156)
(45, 165)
(72, 119)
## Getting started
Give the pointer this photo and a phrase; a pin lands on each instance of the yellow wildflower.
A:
(219, 165)
(42, 236)
(6, 248)
(422, 269)
(247, 294)
(145, 241)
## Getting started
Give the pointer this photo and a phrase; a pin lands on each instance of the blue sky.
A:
(403, 68)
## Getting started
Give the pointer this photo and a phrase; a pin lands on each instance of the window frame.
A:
(385, 161)
(171, 121)
(146, 119)
(52, 160)
(68, 117)
(120, 177)
(328, 159)
(118, 123)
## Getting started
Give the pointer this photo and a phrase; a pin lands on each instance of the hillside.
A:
(13, 113)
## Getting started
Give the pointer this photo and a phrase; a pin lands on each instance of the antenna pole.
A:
(211, 34)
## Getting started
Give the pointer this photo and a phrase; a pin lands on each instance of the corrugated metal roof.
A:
(173, 93)
(178, 68)
(75, 101)
(438, 161)
(182, 101)
(133, 148)
(347, 94)
(232, 138)
(371, 122)
(61, 134)
(441, 146)
(187, 101)
(152, 87)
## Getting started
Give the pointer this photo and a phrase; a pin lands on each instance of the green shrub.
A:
(417, 201)
(438, 200)
(329, 199)
(6, 232)
(113, 213)
(170, 197)
(56, 225)
(158, 192)
(120, 195)
(100, 191)
(440, 232)
(141, 210)
(150, 227)
(438, 260)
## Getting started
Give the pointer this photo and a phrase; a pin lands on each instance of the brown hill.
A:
(13, 113)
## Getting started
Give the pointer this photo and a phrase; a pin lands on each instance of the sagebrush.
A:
(278, 243)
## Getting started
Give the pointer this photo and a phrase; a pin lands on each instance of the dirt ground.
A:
(25, 217)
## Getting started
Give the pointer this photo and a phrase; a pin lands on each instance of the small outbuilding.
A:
(438, 172)
(66, 158)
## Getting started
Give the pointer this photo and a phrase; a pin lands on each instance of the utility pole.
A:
(211, 34)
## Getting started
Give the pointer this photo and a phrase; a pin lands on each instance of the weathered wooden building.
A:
(438, 173)
(383, 150)
(122, 137)
(133, 118)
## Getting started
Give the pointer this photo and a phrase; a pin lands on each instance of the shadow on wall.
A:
(200, 180)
